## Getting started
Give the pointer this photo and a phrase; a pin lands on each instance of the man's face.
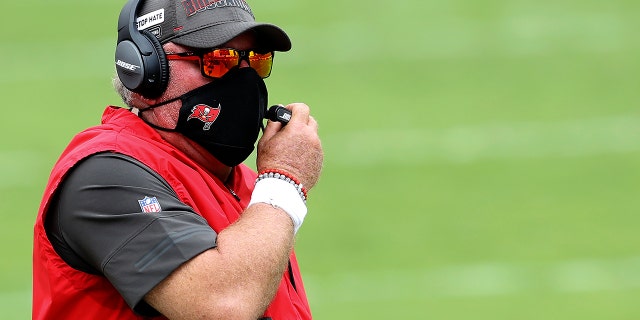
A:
(185, 75)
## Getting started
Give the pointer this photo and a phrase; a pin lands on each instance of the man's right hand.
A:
(294, 148)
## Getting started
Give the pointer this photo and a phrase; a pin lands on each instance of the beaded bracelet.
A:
(283, 175)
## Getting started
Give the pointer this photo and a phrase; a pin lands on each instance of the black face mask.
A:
(224, 116)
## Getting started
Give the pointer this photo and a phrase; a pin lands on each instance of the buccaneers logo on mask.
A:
(205, 114)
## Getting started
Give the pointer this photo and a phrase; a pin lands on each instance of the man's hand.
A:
(294, 148)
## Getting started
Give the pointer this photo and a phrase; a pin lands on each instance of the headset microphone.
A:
(279, 113)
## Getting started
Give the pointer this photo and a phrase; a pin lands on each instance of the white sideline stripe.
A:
(574, 138)
(468, 281)
(73, 60)
(463, 281)
(525, 31)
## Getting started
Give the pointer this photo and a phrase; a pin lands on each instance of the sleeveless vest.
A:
(61, 292)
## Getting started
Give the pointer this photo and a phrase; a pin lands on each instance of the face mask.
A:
(223, 116)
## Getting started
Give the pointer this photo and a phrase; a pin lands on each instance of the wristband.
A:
(281, 194)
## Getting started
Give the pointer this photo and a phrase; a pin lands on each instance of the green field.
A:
(482, 157)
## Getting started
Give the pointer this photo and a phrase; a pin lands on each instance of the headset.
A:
(141, 63)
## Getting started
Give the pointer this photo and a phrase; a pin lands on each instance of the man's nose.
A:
(243, 63)
(244, 60)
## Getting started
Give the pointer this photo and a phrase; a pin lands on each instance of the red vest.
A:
(61, 292)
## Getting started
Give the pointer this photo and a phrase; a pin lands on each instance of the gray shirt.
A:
(113, 216)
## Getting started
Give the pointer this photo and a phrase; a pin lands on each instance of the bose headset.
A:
(141, 63)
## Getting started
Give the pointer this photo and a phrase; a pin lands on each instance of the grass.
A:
(482, 157)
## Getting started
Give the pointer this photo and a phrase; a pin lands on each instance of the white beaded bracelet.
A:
(277, 174)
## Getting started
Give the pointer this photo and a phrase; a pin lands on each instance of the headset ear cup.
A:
(130, 65)
(158, 68)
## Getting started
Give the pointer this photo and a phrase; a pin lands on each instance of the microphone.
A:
(279, 113)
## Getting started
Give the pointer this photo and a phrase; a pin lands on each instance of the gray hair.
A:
(125, 94)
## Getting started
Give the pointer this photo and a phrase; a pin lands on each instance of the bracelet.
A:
(283, 175)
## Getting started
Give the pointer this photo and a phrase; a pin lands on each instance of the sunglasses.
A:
(217, 62)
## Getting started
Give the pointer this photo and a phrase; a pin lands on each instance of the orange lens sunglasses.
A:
(217, 62)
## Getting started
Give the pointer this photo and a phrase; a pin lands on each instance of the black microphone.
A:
(279, 113)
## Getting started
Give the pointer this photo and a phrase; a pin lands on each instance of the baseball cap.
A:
(207, 23)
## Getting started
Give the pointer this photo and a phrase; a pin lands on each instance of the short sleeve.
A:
(116, 217)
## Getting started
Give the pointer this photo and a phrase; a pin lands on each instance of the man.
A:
(151, 214)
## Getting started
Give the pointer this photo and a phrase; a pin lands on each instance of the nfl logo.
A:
(149, 205)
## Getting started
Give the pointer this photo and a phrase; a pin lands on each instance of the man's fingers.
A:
(271, 129)
(300, 112)
(313, 123)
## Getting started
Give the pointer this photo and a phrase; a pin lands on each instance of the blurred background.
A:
(482, 157)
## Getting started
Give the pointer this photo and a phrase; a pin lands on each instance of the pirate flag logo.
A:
(205, 114)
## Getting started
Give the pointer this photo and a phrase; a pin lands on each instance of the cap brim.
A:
(270, 37)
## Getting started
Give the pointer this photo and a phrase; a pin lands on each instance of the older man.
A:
(152, 213)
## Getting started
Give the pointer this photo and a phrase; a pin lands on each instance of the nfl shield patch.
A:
(150, 204)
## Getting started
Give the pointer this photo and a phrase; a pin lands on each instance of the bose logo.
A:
(126, 65)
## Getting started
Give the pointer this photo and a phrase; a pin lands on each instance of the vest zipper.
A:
(235, 195)
(291, 278)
